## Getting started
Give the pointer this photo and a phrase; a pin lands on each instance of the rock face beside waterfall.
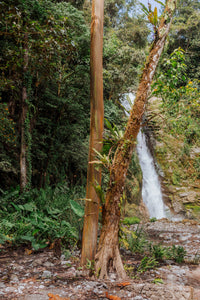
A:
(180, 180)
(134, 205)
(143, 189)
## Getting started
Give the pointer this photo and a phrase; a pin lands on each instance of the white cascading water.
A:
(151, 188)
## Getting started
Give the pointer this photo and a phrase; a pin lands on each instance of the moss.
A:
(195, 208)
(131, 220)
(176, 178)
(131, 210)
(134, 181)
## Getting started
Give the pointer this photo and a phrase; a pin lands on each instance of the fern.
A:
(42, 219)
(76, 208)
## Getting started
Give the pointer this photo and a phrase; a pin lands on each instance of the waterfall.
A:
(151, 188)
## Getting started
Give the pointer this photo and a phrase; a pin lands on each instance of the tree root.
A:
(109, 257)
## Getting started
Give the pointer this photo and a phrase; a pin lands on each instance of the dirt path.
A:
(31, 276)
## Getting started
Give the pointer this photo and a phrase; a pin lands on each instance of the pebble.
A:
(48, 264)
(46, 274)
(41, 286)
(10, 289)
(14, 278)
(37, 262)
(2, 285)
(65, 262)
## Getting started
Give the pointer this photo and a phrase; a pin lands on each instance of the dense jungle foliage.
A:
(55, 35)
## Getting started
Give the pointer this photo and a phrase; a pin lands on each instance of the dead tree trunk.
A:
(90, 228)
(108, 251)
(24, 109)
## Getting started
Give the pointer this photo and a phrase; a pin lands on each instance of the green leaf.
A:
(70, 231)
(3, 238)
(16, 206)
(158, 280)
(77, 209)
(21, 207)
(109, 126)
(144, 9)
(161, 3)
(29, 238)
(29, 206)
(53, 211)
(38, 245)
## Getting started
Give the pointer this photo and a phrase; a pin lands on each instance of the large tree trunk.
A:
(108, 250)
(90, 228)
(24, 109)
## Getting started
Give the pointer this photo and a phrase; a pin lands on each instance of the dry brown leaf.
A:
(111, 297)
(122, 284)
(56, 297)
(52, 245)
(28, 251)
(29, 279)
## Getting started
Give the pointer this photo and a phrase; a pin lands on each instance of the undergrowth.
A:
(152, 254)
(38, 217)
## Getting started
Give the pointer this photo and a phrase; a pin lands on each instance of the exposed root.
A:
(103, 260)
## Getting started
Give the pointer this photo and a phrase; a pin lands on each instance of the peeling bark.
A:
(90, 227)
(108, 245)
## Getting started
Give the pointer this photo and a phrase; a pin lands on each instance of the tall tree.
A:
(38, 59)
(108, 250)
(185, 33)
(96, 132)
(24, 109)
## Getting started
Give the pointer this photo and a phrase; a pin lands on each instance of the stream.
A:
(151, 188)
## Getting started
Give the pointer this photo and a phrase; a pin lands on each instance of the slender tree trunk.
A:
(24, 109)
(90, 227)
(108, 250)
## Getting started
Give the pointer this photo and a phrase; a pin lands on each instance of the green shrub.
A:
(146, 264)
(153, 219)
(138, 242)
(131, 220)
(176, 252)
(158, 251)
